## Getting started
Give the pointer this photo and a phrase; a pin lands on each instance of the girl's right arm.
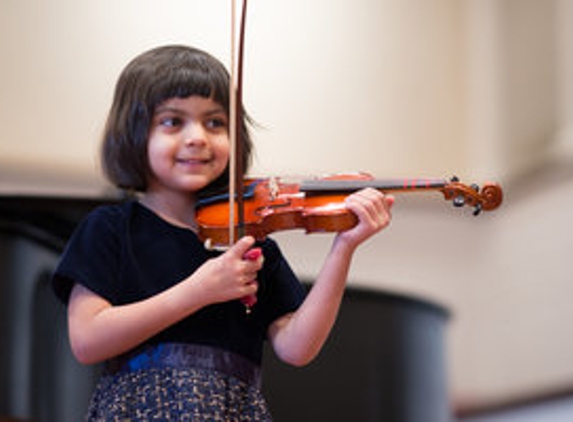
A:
(99, 331)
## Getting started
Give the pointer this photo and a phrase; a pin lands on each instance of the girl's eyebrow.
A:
(216, 110)
(178, 110)
(167, 109)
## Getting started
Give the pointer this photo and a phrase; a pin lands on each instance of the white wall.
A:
(478, 88)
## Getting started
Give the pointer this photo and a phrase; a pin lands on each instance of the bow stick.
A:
(236, 168)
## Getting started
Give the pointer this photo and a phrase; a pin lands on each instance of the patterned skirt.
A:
(179, 382)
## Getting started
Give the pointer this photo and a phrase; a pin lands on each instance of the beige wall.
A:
(325, 80)
(479, 88)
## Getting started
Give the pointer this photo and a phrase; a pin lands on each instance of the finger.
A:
(389, 200)
(365, 203)
(371, 206)
(381, 202)
(250, 298)
(389, 204)
(240, 248)
(383, 210)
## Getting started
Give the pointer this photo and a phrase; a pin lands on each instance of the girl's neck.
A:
(175, 209)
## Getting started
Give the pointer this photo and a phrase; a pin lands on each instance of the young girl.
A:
(145, 296)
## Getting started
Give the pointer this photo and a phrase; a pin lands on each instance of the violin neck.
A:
(341, 186)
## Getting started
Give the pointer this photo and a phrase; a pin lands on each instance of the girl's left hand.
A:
(298, 337)
(373, 209)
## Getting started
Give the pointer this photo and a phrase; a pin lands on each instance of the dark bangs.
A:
(187, 74)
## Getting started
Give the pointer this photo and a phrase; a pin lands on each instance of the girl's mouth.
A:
(192, 161)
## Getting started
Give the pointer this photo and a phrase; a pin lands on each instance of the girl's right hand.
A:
(229, 276)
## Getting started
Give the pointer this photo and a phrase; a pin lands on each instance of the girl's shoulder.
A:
(112, 213)
(103, 221)
(112, 210)
(93, 251)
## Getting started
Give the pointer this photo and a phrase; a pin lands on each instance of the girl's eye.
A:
(217, 123)
(171, 121)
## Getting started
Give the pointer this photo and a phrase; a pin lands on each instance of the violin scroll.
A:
(488, 198)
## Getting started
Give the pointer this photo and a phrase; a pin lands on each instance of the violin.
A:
(258, 207)
(316, 205)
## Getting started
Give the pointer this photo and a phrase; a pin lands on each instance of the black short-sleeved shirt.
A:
(126, 253)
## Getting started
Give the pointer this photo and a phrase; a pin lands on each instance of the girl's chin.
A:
(196, 183)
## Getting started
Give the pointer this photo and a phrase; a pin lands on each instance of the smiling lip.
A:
(192, 161)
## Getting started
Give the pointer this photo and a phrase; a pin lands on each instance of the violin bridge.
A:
(273, 188)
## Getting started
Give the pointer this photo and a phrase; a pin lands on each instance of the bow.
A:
(236, 168)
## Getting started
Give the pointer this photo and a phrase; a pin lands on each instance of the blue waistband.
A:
(180, 355)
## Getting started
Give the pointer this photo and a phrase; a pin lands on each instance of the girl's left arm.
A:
(298, 337)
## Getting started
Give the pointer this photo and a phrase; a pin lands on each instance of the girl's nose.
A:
(196, 134)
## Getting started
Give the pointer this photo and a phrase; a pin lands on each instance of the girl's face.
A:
(188, 145)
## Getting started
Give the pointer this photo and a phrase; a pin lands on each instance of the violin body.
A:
(272, 205)
(317, 205)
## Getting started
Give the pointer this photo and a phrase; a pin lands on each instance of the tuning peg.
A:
(477, 209)
(459, 201)
(455, 179)
(475, 187)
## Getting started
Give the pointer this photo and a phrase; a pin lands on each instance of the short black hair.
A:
(147, 81)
